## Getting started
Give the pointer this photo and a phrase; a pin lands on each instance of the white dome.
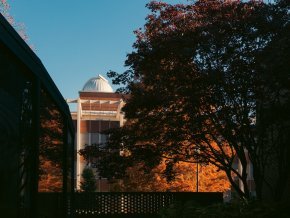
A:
(97, 84)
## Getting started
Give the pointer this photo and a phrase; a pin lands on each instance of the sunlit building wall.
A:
(98, 108)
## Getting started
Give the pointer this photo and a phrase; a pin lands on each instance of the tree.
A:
(19, 27)
(274, 106)
(50, 146)
(89, 183)
(136, 179)
(126, 176)
(4, 8)
(197, 90)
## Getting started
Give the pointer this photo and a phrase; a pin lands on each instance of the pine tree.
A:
(89, 182)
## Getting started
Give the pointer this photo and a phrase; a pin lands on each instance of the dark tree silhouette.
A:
(200, 84)
(89, 183)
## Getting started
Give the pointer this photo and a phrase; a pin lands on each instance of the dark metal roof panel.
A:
(11, 39)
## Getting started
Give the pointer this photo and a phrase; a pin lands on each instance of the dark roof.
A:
(11, 39)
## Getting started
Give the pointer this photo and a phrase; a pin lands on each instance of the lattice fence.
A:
(150, 203)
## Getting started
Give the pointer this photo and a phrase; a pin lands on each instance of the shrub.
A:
(239, 209)
(89, 183)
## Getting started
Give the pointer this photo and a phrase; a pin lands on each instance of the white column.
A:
(240, 170)
(121, 120)
(90, 128)
(79, 115)
(120, 115)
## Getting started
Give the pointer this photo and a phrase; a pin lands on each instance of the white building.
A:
(98, 109)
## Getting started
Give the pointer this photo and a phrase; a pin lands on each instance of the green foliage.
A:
(89, 183)
(238, 209)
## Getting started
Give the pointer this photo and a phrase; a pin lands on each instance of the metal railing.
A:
(135, 203)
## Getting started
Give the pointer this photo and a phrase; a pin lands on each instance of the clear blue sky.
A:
(77, 40)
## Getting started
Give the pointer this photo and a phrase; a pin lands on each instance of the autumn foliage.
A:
(51, 148)
(210, 179)
(203, 88)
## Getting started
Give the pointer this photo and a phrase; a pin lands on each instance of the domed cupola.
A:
(97, 84)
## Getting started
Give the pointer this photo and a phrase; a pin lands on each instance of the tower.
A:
(98, 109)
